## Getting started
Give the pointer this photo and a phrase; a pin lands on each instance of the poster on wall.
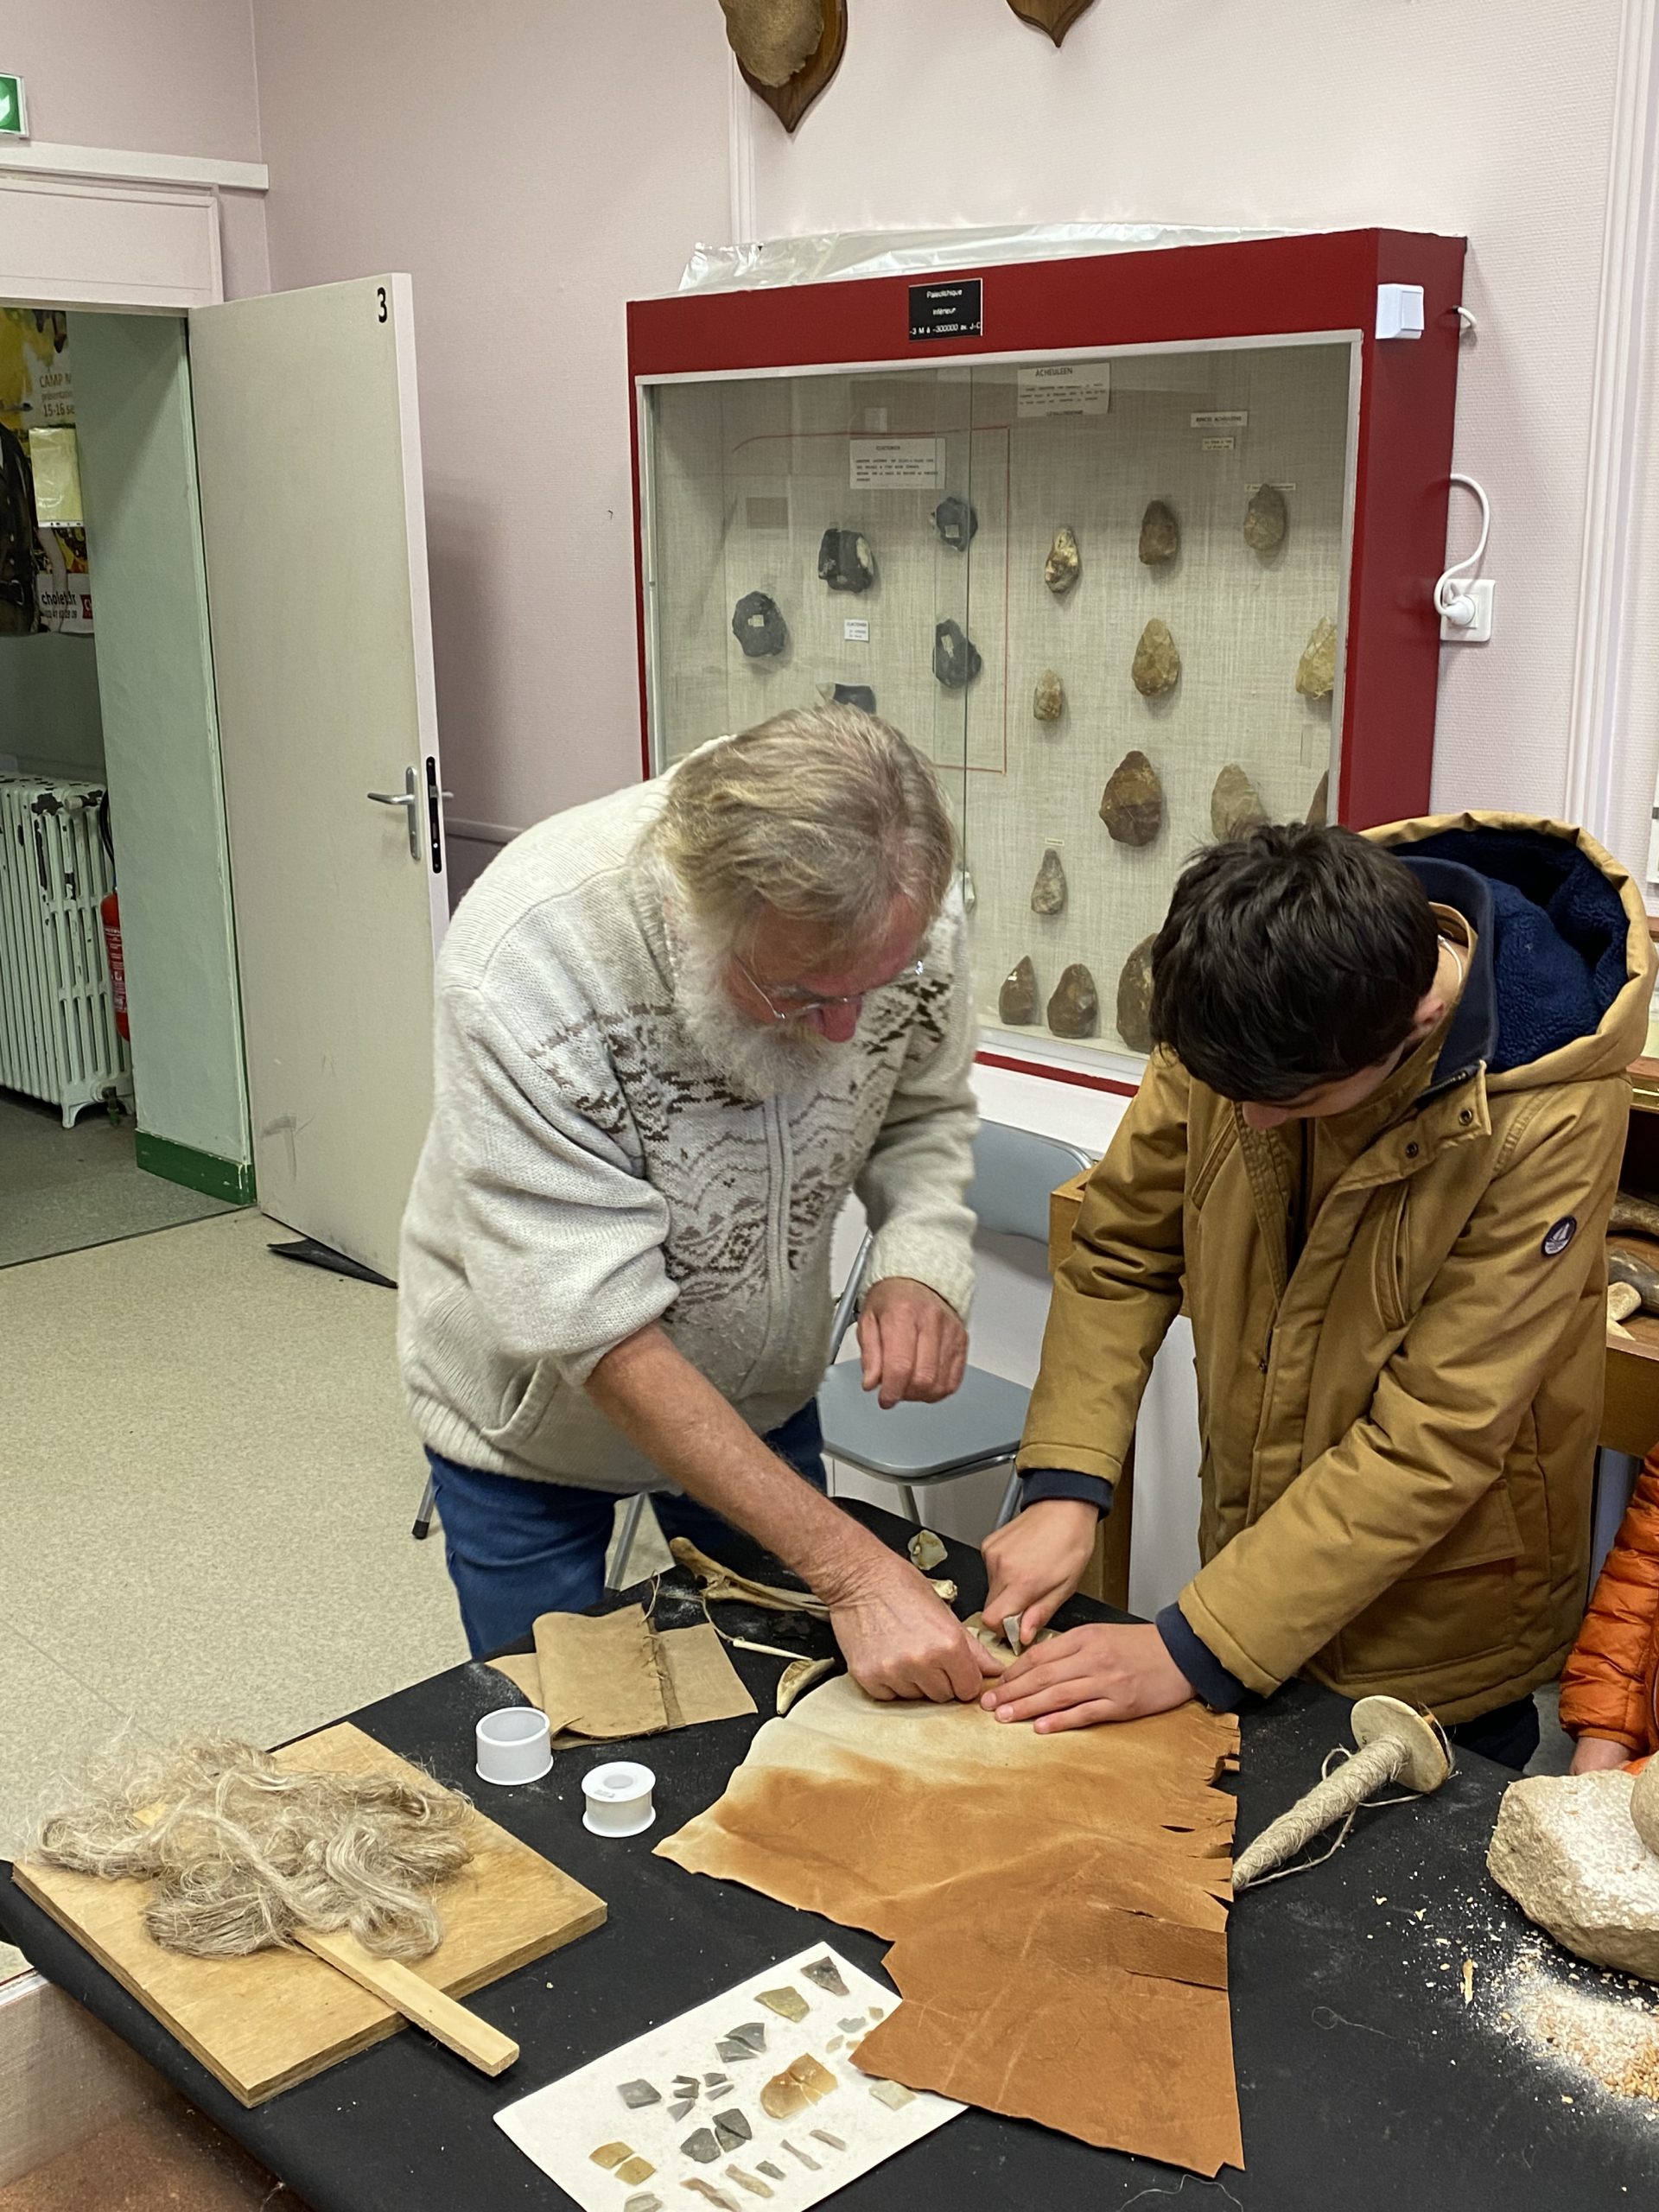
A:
(45, 577)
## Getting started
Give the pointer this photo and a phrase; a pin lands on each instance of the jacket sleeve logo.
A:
(1560, 1235)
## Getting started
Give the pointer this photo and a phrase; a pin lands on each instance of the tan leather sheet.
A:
(599, 1680)
(1057, 1904)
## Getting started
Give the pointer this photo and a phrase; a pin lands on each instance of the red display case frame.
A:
(1305, 286)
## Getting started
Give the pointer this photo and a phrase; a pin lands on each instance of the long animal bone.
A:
(1630, 1212)
(1396, 1744)
(718, 1582)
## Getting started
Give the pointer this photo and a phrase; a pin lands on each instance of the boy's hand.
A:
(1596, 1754)
(1036, 1562)
(1089, 1675)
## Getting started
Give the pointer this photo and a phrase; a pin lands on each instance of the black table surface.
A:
(1363, 2078)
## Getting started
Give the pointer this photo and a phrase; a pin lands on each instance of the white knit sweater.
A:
(588, 1170)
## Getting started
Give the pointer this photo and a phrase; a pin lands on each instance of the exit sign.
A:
(14, 109)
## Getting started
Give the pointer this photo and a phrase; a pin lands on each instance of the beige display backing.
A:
(745, 474)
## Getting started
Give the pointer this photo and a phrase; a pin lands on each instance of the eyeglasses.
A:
(795, 1005)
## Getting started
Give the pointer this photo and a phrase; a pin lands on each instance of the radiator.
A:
(58, 1038)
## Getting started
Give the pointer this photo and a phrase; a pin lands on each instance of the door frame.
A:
(141, 234)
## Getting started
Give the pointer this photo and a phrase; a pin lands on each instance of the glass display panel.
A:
(1063, 581)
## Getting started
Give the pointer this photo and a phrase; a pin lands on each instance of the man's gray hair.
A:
(826, 814)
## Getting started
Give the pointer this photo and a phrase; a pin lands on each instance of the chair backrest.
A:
(1014, 1170)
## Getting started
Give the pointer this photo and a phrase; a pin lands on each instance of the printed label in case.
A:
(1221, 418)
(894, 464)
(1217, 445)
(947, 311)
(856, 630)
(1065, 388)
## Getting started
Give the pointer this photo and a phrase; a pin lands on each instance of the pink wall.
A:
(152, 77)
(531, 166)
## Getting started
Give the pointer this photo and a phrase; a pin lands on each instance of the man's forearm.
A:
(680, 1422)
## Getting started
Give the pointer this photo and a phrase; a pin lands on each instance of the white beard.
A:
(776, 1059)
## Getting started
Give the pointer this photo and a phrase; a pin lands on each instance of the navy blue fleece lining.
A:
(1038, 1483)
(1220, 1690)
(1558, 930)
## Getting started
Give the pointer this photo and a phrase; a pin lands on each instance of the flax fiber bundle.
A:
(243, 1852)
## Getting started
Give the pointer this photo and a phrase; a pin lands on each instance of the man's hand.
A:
(912, 1344)
(1036, 1562)
(1089, 1675)
(900, 1640)
(1596, 1754)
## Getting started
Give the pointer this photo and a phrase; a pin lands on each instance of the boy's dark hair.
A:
(1290, 957)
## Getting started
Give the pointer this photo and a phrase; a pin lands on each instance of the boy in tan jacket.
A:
(1373, 1155)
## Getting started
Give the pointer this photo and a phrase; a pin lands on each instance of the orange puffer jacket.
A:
(1608, 1687)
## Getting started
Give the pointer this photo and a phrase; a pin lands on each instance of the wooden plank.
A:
(261, 2025)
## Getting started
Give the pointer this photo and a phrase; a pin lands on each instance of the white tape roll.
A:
(513, 1744)
(619, 1799)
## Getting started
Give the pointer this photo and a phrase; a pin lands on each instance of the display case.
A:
(1138, 547)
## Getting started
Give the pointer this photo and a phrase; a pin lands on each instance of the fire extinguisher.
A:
(109, 909)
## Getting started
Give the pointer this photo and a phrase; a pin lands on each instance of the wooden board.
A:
(261, 2024)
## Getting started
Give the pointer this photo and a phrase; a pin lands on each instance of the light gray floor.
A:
(208, 1478)
(62, 1190)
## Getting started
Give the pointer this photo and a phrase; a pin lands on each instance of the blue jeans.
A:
(515, 1548)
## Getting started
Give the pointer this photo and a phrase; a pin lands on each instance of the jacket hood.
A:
(1558, 988)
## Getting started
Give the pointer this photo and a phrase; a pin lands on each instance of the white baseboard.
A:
(63, 2075)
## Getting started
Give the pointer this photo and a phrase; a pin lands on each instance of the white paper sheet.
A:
(561, 2126)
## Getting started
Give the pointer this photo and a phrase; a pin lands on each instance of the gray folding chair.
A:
(915, 1445)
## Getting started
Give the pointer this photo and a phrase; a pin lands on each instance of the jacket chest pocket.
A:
(1391, 1255)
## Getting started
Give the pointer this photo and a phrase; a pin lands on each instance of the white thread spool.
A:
(514, 1745)
(619, 1799)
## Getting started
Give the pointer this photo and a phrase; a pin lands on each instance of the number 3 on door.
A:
(380, 295)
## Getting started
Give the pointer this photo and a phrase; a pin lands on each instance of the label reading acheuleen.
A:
(1221, 418)
(1065, 388)
(894, 464)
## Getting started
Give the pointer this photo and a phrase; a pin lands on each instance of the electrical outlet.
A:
(1478, 633)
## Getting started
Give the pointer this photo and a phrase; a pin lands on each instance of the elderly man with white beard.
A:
(675, 1029)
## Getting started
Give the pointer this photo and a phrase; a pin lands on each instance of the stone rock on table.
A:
(1566, 1850)
(1132, 805)
(1048, 701)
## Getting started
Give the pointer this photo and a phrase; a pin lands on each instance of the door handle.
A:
(409, 799)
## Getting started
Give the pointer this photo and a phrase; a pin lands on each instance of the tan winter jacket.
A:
(1398, 1424)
